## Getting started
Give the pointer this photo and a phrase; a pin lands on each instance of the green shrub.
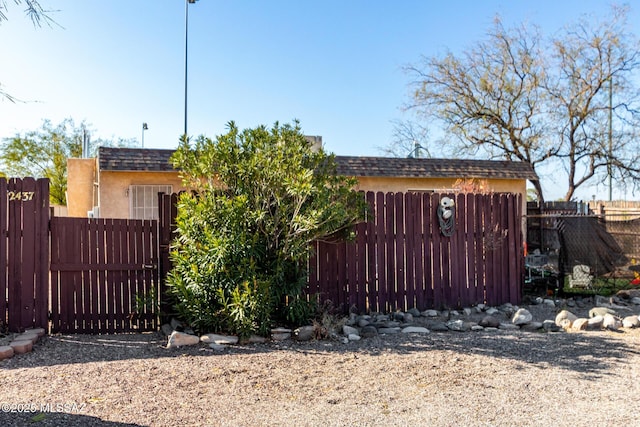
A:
(260, 198)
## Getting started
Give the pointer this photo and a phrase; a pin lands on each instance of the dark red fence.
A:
(104, 275)
(24, 255)
(400, 258)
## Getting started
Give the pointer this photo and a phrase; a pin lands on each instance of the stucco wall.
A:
(81, 176)
(114, 189)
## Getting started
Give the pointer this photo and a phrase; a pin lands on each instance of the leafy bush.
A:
(260, 197)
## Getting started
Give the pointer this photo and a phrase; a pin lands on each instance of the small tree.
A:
(261, 196)
(43, 153)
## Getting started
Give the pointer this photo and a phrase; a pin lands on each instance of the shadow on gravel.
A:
(588, 353)
(57, 419)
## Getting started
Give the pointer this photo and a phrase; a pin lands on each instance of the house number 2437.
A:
(23, 196)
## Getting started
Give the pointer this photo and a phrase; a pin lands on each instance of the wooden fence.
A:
(73, 274)
(100, 270)
(24, 256)
(399, 259)
(104, 275)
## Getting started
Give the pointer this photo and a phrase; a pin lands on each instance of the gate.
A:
(24, 255)
(104, 275)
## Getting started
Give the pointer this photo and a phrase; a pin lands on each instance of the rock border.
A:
(604, 315)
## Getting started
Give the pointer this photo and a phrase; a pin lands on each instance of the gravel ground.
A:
(487, 378)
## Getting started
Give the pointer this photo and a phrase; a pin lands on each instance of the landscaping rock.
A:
(430, 313)
(531, 326)
(595, 323)
(6, 352)
(39, 331)
(28, 336)
(611, 322)
(565, 318)
(631, 322)
(353, 337)
(219, 339)
(280, 334)
(508, 326)
(21, 346)
(166, 329)
(348, 330)
(600, 311)
(551, 326)
(489, 322)
(458, 325)
(414, 312)
(388, 331)
(179, 339)
(304, 333)
(437, 327)
(369, 331)
(415, 330)
(580, 324)
(522, 317)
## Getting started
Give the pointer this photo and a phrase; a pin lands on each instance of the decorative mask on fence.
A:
(447, 216)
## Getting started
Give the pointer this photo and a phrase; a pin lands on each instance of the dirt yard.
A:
(486, 378)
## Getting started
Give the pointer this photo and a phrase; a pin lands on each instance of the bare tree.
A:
(515, 97)
(409, 139)
(592, 88)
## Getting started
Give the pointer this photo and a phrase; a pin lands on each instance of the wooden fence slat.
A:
(399, 291)
(4, 284)
(376, 295)
(410, 251)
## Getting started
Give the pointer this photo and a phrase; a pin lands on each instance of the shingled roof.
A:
(433, 168)
(156, 160)
(134, 159)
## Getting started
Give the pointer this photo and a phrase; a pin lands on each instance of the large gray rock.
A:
(280, 334)
(369, 331)
(414, 312)
(304, 333)
(531, 326)
(522, 317)
(430, 313)
(349, 330)
(179, 339)
(489, 322)
(459, 325)
(437, 327)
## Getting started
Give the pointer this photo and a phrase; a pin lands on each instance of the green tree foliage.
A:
(43, 154)
(519, 96)
(260, 197)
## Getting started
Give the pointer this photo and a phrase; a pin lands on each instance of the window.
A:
(143, 200)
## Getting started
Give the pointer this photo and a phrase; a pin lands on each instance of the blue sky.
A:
(334, 65)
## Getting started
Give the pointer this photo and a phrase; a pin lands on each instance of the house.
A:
(124, 182)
